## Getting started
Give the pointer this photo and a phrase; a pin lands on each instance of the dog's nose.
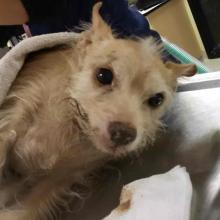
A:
(121, 133)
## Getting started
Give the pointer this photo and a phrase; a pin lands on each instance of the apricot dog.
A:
(73, 108)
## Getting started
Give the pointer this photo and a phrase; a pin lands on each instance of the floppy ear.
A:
(181, 69)
(99, 27)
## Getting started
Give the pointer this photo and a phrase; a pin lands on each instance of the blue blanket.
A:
(53, 17)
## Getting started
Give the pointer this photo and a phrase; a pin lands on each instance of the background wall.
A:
(175, 22)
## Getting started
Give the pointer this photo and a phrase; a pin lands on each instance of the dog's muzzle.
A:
(121, 134)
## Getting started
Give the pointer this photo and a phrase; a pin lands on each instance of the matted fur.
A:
(54, 121)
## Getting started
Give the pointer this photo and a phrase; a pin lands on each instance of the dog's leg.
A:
(41, 202)
(13, 215)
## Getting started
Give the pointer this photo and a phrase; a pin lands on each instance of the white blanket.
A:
(12, 62)
(160, 197)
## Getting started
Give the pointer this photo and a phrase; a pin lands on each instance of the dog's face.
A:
(124, 88)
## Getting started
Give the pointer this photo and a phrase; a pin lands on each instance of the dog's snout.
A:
(121, 133)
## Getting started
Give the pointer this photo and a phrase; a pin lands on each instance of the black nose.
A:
(121, 133)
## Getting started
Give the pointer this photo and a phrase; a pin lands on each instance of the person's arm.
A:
(12, 12)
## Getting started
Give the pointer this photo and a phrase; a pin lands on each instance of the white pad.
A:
(160, 197)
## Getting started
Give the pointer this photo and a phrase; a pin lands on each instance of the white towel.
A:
(160, 197)
(13, 61)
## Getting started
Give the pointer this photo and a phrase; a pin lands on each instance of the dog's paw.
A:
(13, 215)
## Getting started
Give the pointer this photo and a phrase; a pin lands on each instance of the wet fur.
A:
(53, 120)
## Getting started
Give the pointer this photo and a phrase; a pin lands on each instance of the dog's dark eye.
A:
(104, 76)
(156, 100)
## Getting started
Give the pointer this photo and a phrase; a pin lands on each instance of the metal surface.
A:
(191, 139)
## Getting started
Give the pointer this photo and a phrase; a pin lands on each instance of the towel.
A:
(13, 61)
(165, 196)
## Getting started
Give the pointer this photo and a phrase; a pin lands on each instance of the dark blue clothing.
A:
(51, 16)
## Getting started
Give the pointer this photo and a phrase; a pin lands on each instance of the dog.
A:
(75, 107)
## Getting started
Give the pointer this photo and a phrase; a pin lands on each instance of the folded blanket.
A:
(165, 196)
(13, 61)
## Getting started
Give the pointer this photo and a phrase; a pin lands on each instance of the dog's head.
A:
(123, 86)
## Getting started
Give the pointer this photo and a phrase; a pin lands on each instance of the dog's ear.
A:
(98, 31)
(181, 69)
(99, 27)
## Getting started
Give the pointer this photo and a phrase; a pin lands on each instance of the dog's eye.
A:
(156, 100)
(104, 76)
